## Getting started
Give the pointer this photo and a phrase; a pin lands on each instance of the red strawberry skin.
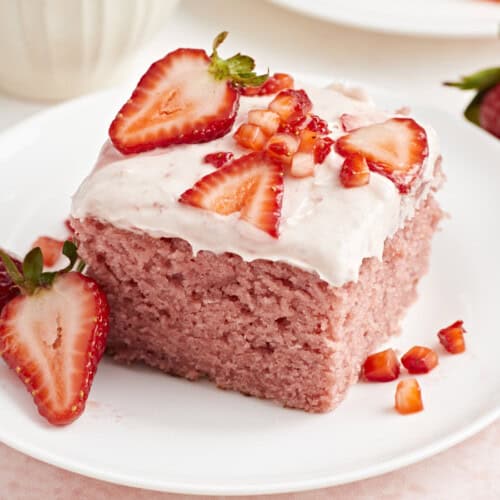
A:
(489, 111)
(7, 288)
(177, 101)
(54, 340)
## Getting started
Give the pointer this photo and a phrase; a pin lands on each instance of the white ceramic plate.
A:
(145, 429)
(446, 18)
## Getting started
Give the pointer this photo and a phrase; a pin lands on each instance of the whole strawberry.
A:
(484, 109)
(53, 333)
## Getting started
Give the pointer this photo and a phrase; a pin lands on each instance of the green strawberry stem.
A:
(32, 276)
(238, 68)
(482, 81)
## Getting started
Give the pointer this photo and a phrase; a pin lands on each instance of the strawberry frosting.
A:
(325, 228)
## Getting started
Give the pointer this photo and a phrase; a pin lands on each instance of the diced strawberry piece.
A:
(218, 159)
(308, 140)
(302, 165)
(295, 128)
(281, 148)
(322, 149)
(396, 149)
(381, 367)
(317, 124)
(51, 249)
(54, 339)
(452, 337)
(352, 122)
(268, 121)
(354, 172)
(420, 359)
(251, 185)
(251, 137)
(8, 290)
(408, 397)
(275, 83)
(291, 105)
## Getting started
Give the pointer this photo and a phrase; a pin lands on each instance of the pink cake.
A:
(289, 316)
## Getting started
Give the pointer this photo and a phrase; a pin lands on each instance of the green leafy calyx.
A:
(482, 81)
(238, 69)
(32, 276)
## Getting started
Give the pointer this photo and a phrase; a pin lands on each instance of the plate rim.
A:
(322, 480)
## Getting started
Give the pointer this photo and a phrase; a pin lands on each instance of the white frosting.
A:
(324, 227)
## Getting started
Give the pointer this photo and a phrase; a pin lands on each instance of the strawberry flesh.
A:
(282, 147)
(291, 105)
(54, 339)
(322, 149)
(317, 124)
(354, 172)
(251, 185)
(250, 136)
(408, 397)
(452, 337)
(420, 359)
(218, 159)
(275, 83)
(381, 367)
(51, 249)
(395, 148)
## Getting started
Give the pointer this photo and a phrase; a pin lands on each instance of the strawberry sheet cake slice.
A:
(262, 234)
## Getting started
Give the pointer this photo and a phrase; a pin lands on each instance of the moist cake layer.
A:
(324, 227)
(268, 329)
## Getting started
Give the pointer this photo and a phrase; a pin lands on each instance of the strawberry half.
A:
(395, 148)
(251, 185)
(54, 333)
(186, 97)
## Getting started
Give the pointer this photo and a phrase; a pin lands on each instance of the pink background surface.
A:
(468, 470)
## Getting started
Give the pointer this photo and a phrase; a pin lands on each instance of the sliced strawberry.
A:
(268, 121)
(275, 83)
(218, 159)
(420, 359)
(352, 122)
(251, 185)
(281, 147)
(317, 124)
(51, 249)
(291, 105)
(186, 97)
(302, 165)
(408, 397)
(8, 289)
(354, 172)
(322, 149)
(452, 337)
(251, 137)
(381, 367)
(396, 148)
(53, 335)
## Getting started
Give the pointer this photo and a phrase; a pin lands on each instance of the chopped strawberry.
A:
(322, 149)
(308, 140)
(218, 159)
(291, 105)
(354, 172)
(317, 124)
(51, 249)
(408, 397)
(452, 337)
(251, 137)
(396, 148)
(186, 97)
(352, 122)
(268, 121)
(281, 148)
(54, 334)
(381, 367)
(251, 185)
(8, 289)
(302, 165)
(420, 359)
(275, 83)
(295, 128)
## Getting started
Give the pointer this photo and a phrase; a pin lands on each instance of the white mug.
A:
(56, 49)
